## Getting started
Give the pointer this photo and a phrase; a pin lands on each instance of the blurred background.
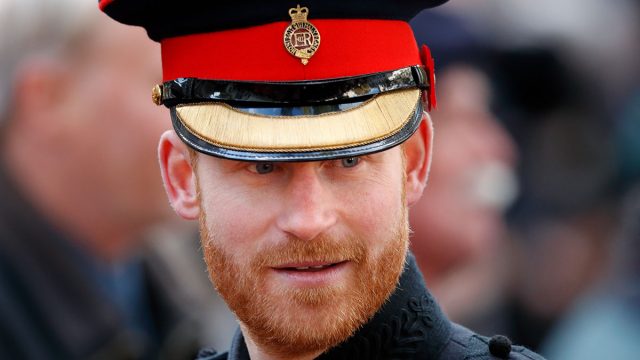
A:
(529, 226)
(94, 264)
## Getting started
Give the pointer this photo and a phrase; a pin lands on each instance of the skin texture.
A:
(254, 225)
(81, 134)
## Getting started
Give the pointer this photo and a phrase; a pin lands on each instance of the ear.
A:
(417, 152)
(178, 176)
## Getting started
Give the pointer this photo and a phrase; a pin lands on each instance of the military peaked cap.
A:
(286, 81)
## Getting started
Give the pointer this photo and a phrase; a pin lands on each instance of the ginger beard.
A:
(288, 321)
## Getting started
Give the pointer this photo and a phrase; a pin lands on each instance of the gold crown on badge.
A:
(299, 14)
(301, 38)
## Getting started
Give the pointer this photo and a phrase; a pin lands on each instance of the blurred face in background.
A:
(82, 133)
(106, 127)
(111, 122)
(460, 216)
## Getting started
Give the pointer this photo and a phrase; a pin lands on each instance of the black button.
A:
(500, 346)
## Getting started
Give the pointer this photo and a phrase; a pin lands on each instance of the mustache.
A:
(325, 249)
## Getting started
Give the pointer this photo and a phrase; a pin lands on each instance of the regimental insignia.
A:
(301, 38)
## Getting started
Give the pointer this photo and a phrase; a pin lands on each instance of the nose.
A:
(308, 206)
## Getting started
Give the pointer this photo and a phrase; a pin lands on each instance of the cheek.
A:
(375, 209)
(236, 218)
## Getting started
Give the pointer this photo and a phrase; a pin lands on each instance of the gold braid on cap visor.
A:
(375, 119)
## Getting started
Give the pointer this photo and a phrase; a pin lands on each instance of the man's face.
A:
(473, 179)
(114, 124)
(303, 253)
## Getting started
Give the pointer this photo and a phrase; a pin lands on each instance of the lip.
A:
(308, 264)
(325, 276)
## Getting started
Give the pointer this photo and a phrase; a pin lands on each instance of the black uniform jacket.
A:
(409, 326)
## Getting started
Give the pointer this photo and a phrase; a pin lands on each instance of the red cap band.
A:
(347, 48)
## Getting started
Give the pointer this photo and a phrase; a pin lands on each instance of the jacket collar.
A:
(409, 324)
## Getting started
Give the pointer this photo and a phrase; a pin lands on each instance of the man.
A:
(79, 188)
(472, 178)
(287, 148)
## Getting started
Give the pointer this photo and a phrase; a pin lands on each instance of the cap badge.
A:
(301, 38)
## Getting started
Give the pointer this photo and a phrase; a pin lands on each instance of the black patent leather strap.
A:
(358, 88)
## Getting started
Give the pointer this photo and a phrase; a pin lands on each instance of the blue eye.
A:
(350, 162)
(264, 167)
